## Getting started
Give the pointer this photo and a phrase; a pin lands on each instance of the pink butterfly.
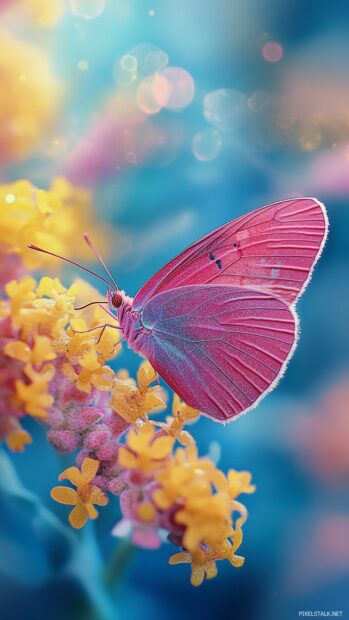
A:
(218, 322)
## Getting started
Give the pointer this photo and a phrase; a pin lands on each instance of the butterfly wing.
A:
(273, 249)
(220, 348)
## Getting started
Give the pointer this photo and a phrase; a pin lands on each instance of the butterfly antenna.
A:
(92, 303)
(99, 258)
(68, 260)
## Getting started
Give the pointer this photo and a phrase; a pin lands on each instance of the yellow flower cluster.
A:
(28, 100)
(45, 324)
(52, 219)
(171, 487)
(203, 497)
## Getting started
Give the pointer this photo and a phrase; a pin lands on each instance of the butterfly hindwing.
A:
(273, 249)
(219, 347)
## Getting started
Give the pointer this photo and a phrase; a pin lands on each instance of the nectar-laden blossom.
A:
(85, 495)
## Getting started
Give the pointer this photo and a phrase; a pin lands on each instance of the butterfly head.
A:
(116, 299)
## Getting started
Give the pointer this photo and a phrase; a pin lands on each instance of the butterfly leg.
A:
(102, 327)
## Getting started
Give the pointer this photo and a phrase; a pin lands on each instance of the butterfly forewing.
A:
(272, 249)
(219, 347)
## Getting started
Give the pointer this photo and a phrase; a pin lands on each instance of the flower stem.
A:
(117, 564)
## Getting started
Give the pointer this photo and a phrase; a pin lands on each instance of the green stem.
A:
(117, 564)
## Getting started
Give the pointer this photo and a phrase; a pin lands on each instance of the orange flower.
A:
(85, 496)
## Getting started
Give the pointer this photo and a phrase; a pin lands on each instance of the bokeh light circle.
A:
(207, 144)
(145, 98)
(156, 60)
(173, 88)
(129, 63)
(87, 9)
(272, 51)
(225, 109)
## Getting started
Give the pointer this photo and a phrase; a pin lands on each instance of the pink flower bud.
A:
(55, 418)
(72, 394)
(107, 452)
(128, 504)
(146, 537)
(116, 485)
(98, 437)
(101, 482)
(82, 418)
(63, 441)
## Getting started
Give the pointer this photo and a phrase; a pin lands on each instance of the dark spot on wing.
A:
(235, 245)
(219, 263)
(212, 256)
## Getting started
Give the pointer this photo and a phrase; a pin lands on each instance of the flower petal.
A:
(161, 447)
(180, 558)
(127, 459)
(197, 575)
(91, 511)
(78, 516)
(89, 469)
(73, 475)
(211, 570)
(64, 495)
(98, 497)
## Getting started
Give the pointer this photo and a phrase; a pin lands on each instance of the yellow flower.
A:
(203, 562)
(235, 483)
(206, 520)
(239, 482)
(146, 512)
(91, 375)
(17, 439)
(45, 308)
(183, 477)
(202, 566)
(144, 451)
(86, 494)
(182, 413)
(21, 294)
(52, 219)
(132, 402)
(35, 395)
(41, 351)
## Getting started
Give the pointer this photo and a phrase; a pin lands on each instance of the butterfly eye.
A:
(116, 300)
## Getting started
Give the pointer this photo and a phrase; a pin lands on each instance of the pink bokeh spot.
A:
(272, 51)
(173, 88)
